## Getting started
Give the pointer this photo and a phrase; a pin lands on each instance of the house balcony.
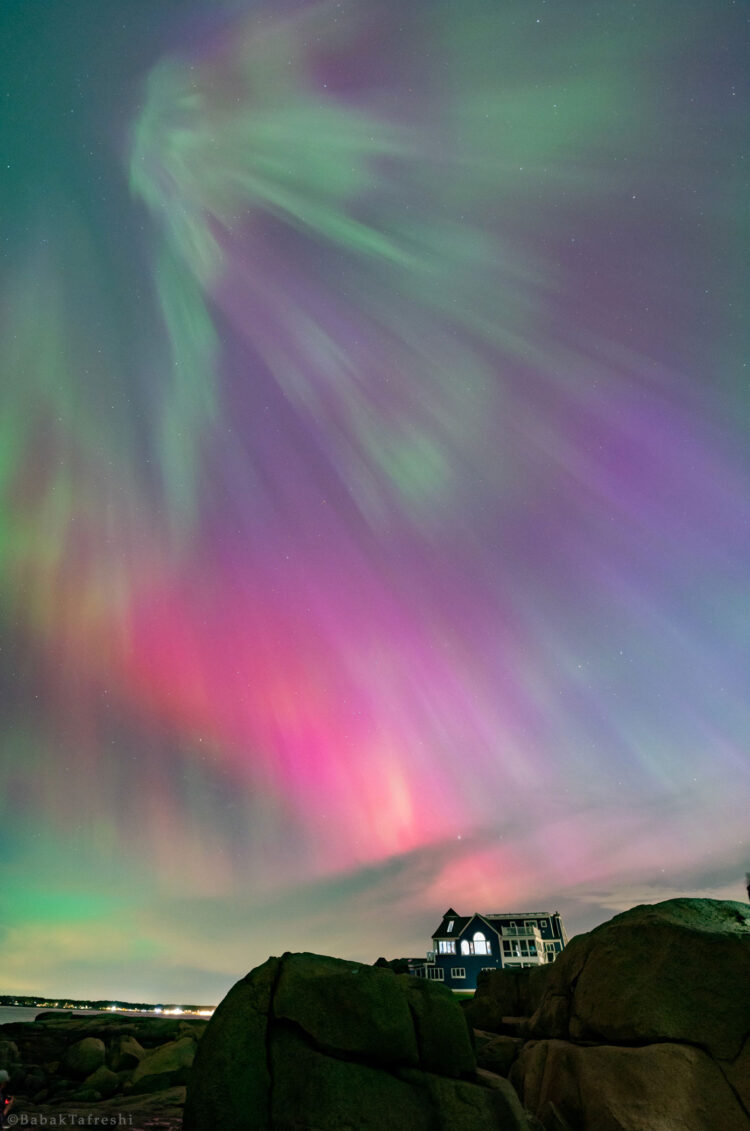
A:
(521, 933)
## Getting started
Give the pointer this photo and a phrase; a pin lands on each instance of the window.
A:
(492, 968)
(543, 924)
(449, 928)
(507, 947)
(446, 946)
(481, 946)
(531, 923)
(435, 974)
(459, 971)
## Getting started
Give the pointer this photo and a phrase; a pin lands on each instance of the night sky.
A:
(374, 475)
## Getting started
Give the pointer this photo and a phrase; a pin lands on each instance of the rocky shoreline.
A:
(640, 1025)
(94, 1068)
(643, 1024)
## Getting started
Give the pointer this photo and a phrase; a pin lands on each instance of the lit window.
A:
(465, 947)
(449, 928)
(459, 971)
(446, 946)
(481, 946)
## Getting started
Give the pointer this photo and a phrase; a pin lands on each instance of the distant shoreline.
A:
(43, 1005)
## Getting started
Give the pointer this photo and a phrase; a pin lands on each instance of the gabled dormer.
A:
(449, 930)
(478, 936)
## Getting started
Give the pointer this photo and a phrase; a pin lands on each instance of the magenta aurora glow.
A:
(375, 478)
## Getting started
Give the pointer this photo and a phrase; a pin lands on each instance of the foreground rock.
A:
(100, 1065)
(317, 1044)
(640, 1025)
(160, 1111)
(85, 1056)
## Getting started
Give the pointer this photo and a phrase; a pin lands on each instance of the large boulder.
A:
(656, 1087)
(496, 1053)
(125, 1053)
(164, 1067)
(644, 1024)
(8, 1053)
(443, 1038)
(85, 1056)
(317, 1043)
(674, 971)
(104, 1081)
(503, 994)
(738, 1074)
(347, 1008)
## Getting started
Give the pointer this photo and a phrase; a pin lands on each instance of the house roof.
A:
(518, 914)
(492, 918)
(459, 922)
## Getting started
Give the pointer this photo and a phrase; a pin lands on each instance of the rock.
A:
(8, 1054)
(33, 1079)
(157, 1110)
(319, 1044)
(60, 1086)
(104, 1081)
(444, 1042)
(164, 1067)
(124, 1053)
(311, 1090)
(87, 1095)
(231, 1081)
(347, 1008)
(314, 1092)
(607, 1088)
(737, 1073)
(667, 972)
(496, 1053)
(85, 1056)
(503, 994)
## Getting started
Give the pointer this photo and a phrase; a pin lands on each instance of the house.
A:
(463, 945)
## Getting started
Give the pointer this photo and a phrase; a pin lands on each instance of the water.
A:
(9, 1013)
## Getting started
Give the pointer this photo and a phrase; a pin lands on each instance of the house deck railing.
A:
(521, 932)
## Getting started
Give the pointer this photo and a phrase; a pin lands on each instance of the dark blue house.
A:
(465, 944)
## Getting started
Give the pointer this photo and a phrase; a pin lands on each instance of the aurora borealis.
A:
(374, 472)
